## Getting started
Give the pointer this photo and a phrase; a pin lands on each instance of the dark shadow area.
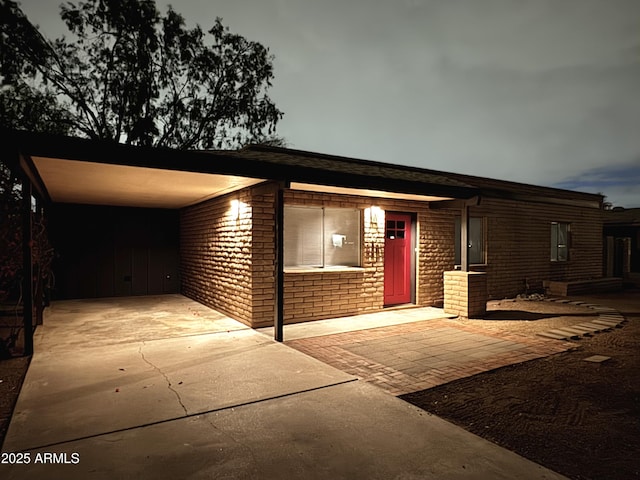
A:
(12, 373)
(530, 316)
(559, 410)
(104, 251)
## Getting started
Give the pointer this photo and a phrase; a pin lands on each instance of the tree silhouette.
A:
(132, 75)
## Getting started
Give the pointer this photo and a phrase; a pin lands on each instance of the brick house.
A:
(268, 234)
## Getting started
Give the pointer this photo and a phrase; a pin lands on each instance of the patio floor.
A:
(399, 350)
(414, 356)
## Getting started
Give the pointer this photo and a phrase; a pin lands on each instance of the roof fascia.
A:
(30, 170)
(455, 204)
(596, 203)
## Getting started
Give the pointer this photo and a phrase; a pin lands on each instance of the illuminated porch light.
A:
(238, 210)
(235, 209)
(374, 216)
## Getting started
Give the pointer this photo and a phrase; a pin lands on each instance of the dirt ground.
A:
(578, 418)
(12, 372)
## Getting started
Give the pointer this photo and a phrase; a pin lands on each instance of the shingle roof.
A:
(344, 165)
(302, 166)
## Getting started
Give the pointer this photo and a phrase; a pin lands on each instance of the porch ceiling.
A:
(365, 192)
(74, 181)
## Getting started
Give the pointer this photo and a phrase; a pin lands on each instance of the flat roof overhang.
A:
(73, 181)
(75, 170)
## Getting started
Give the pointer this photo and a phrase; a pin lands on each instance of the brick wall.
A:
(263, 255)
(436, 254)
(465, 293)
(314, 295)
(518, 245)
(227, 254)
(228, 263)
(215, 254)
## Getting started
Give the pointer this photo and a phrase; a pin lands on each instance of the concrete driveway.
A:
(231, 403)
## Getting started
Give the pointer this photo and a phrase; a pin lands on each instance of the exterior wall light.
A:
(235, 209)
(375, 215)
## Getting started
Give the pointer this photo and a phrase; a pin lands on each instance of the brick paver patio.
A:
(419, 355)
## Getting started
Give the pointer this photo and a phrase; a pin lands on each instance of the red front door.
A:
(397, 259)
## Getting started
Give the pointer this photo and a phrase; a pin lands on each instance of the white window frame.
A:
(327, 239)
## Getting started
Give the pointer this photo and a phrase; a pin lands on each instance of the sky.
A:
(545, 92)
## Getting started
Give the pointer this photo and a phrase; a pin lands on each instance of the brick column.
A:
(465, 293)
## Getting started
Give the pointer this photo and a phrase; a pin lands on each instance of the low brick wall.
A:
(598, 285)
(314, 296)
(465, 293)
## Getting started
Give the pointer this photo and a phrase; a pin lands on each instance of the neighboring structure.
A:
(267, 233)
(622, 243)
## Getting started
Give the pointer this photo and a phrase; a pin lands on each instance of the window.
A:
(395, 229)
(559, 242)
(476, 241)
(321, 237)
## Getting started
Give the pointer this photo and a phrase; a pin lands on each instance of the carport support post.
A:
(278, 323)
(27, 267)
(464, 239)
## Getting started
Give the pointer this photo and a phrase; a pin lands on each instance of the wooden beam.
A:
(30, 170)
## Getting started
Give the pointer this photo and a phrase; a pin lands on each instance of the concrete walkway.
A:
(230, 404)
(355, 323)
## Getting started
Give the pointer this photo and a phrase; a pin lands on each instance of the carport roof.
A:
(67, 169)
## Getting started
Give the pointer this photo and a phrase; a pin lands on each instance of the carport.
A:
(113, 210)
(122, 215)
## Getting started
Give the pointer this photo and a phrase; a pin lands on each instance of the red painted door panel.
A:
(397, 259)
